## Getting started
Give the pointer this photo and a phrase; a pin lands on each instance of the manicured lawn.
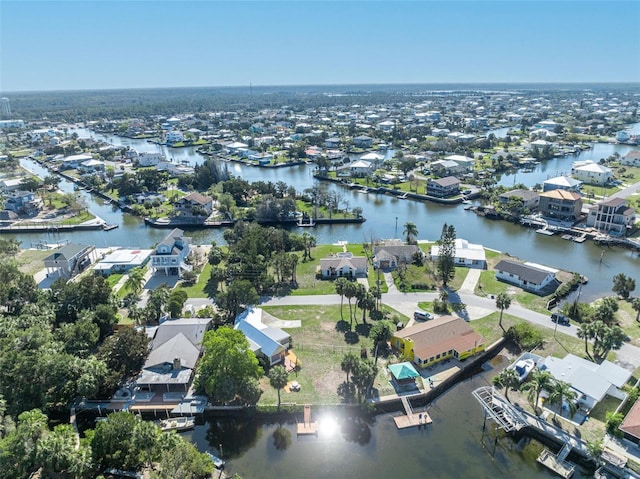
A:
(113, 279)
(599, 412)
(197, 290)
(320, 345)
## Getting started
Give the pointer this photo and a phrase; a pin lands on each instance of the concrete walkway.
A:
(388, 278)
(471, 281)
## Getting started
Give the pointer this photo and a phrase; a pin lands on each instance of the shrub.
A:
(525, 335)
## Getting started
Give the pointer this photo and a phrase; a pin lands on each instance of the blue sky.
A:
(116, 44)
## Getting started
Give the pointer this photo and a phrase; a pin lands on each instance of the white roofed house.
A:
(466, 254)
(531, 277)
(592, 173)
(464, 161)
(361, 168)
(612, 216)
(194, 202)
(269, 343)
(344, 265)
(170, 254)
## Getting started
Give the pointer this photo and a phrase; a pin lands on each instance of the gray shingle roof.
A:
(523, 271)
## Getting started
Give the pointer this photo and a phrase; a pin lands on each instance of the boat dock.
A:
(557, 463)
(307, 427)
(411, 419)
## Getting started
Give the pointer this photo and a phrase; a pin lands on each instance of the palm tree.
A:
(350, 291)
(410, 231)
(340, 285)
(538, 380)
(348, 363)
(278, 378)
(503, 301)
(507, 379)
(585, 331)
(635, 304)
(558, 393)
(134, 281)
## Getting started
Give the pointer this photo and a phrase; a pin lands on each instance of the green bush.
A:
(525, 335)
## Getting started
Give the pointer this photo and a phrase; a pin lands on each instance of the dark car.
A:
(560, 319)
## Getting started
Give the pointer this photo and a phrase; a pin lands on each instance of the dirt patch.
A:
(328, 383)
(327, 326)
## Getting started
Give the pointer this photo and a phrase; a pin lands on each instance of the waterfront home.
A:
(562, 183)
(631, 159)
(591, 381)
(357, 169)
(261, 158)
(175, 349)
(612, 216)
(530, 199)
(591, 173)
(270, 344)
(170, 254)
(465, 254)
(344, 265)
(446, 168)
(464, 161)
(443, 187)
(542, 134)
(150, 159)
(560, 205)
(92, 166)
(333, 142)
(363, 141)
(11, 184)
(394, 252)
(23, 203)
(428, 343)
(122, 260)
(74, 161)
(546, 125)
(174, 169)
(194, 204)
(69, 260)
(531, 277)
(630, 426)
(174, 136)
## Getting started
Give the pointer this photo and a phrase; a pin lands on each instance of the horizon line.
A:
(292, 85)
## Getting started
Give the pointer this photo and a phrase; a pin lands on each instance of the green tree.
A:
(623, 285)
(348, 363)
(176, 301)
(135, 281)
(538, 381)
(183, 460)
(560, 392)
(585, 332)
(503, 301)
(635, 304)
(381, 332)
(350, 291)
(226, 365)
(507, 379)
(613, 421)
(446, 266)
(158, 299)
(341, 285)
(278, 378)
(363, 375)
(410, 231)
(239, 293)
(125, 351)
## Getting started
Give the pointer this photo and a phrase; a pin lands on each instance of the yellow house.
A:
(433, 341)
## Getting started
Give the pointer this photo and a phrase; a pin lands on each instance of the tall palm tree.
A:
(278, 378)
(585, 331)
(503, 301)
(350, 291)
(135, 281)
(348, 363)
(410, 231)
(558, 393)
(340, 285)
(538, 381)
(635, 304)
(507, 379)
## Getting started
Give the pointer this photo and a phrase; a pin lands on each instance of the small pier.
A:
(307, 427)
(557, 463)
(411, 419)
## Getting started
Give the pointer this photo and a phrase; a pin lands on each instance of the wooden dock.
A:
(557, 463)
(307, 427)
(411, 419)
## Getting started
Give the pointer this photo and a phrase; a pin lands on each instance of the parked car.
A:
(560, 319)
(422, 315)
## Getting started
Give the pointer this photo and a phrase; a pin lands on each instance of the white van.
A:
(421, 315)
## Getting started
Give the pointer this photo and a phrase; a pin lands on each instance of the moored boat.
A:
(177, 423)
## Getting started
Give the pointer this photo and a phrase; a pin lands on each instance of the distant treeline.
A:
(89, 105)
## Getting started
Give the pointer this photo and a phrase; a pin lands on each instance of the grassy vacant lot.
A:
(30, 260)
(197, 290)
(416, 277)
(320, 345)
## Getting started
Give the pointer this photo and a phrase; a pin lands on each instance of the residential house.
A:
(592, 173)
(122, 260)
(612, 216)
(150, 159)
(23, 203)
(332, 142)
(344, 265)
(631, 159)
(561, 205)
(269, 343)
(170, 254)
(69, 260)
(591, 381)
(92, 166)
(363, 141)
(394, 252)
(195, 201)
(443, 187)
(446, 168)
(174, 136)
(357, 169)
(428, 343)
(74, 161)
(562, 183)
(464, 161)
(528, 276)
(465, 254)
(175, 349)
(174, 169)
(547, 125)
(11, 184)
(630, 426)
(530, 199)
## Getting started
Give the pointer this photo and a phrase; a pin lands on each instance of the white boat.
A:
(217, 462)
(177, 423)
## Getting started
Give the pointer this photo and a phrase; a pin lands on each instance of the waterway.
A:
(385, 217)
(454, 446)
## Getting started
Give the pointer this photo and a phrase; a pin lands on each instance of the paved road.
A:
(626, 192)
(477, 307)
